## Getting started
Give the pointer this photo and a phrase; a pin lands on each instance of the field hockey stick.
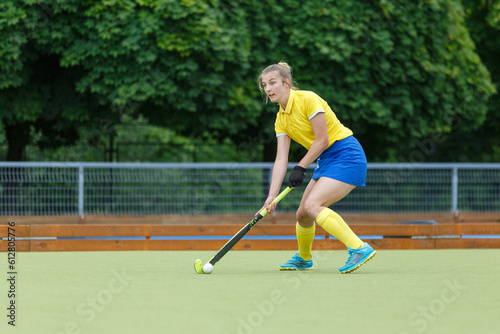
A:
(209, 265)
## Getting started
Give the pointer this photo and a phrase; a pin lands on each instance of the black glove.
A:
(296, 177)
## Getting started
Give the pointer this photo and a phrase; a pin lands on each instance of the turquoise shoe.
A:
(357, 257)
(297, 263)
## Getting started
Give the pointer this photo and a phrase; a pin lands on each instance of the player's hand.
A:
(297, 177)
(269, 205)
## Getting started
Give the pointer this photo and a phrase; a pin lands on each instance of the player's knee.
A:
(301, 214)
(311, 208)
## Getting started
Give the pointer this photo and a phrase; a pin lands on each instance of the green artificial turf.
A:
(399, 291)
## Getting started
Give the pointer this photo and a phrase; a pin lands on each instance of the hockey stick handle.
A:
(237, 237)
(276, 200)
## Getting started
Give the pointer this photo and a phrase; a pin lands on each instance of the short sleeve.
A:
(313, 106)
(280, 131)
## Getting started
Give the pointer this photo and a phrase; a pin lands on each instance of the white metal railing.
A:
(55, 188)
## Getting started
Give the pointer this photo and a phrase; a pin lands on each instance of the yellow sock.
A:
(305, 238)
(331, 222)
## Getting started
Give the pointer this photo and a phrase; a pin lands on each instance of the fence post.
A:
(81, 182)
(454, 189)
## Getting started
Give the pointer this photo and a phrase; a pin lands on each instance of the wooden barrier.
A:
(86, 237)
(20, 233)
(241, 219)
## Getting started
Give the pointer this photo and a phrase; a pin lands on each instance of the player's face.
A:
(275, 89)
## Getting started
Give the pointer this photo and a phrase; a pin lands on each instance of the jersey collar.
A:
(289, 104)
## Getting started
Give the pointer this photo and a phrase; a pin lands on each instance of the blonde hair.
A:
(284, 73)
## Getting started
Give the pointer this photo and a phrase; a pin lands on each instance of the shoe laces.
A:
(297, 258)
(351, 251)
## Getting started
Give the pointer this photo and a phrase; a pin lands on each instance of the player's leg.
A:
(325, 192)
(305, 229)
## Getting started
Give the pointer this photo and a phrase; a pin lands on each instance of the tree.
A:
(482, 144)
(395, 72)
(37, 94)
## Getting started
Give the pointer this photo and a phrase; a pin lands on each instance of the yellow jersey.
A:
(295, 122)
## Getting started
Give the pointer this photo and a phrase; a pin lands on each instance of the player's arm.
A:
(280, 165)
(279, 171)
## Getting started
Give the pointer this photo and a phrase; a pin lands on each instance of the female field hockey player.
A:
(341, 166)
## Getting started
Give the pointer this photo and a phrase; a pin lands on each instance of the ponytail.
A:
(284, 73)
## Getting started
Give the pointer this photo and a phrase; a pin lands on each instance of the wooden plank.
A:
(462, 228)
(215, 245)
(467, 243)
(154, 230)
(86, 245)
(478, 217)
(403, 244)
(480, 228)
(242, 219)
(30, 220)
(90, 230)
(393, 218)
(72, 230)
(172, 219)
(21, 231)
(264, 229)
(393, 230)
(116, 245)
(21, 246)
(327, 244)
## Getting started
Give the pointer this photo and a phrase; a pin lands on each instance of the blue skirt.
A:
(345, 161)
